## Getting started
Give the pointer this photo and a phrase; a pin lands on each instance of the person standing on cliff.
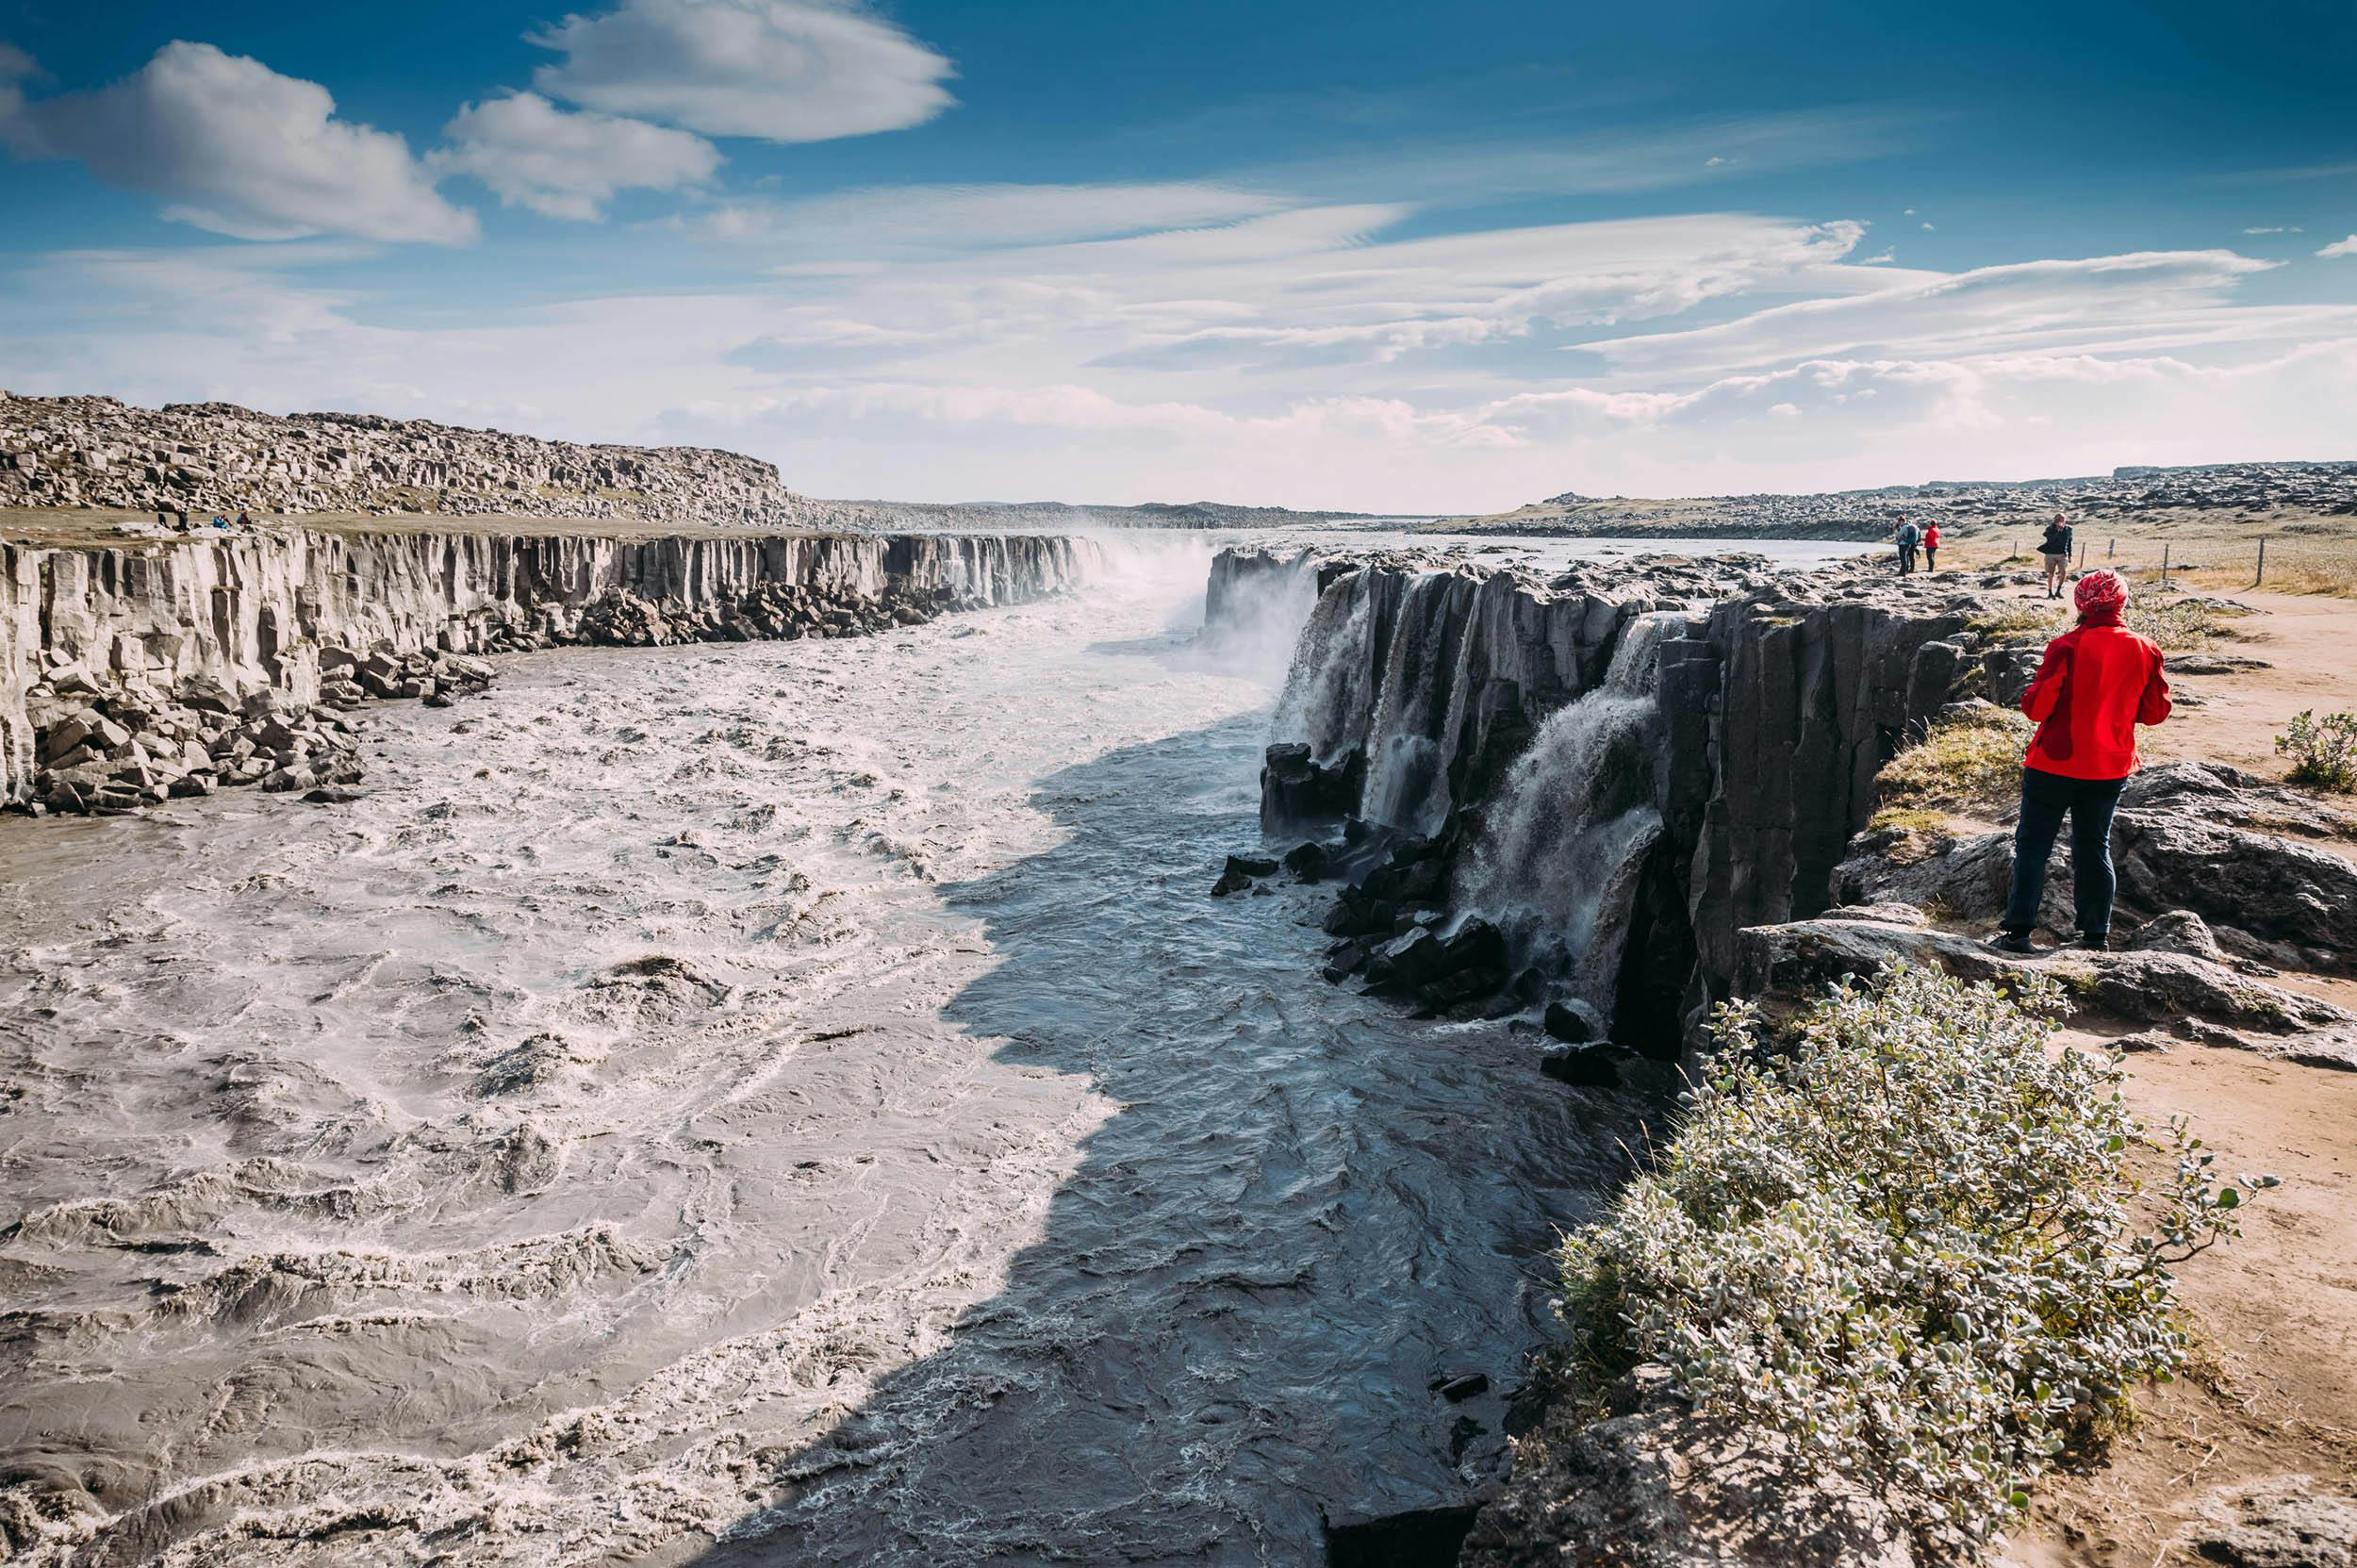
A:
(1931, 547)
(2055, 547)
(1908, 538)
(2096, 683)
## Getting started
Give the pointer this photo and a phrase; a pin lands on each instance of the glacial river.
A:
(787, 1102)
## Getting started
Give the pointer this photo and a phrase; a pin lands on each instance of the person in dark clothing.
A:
(1908, 538)
(2055, 547)
(2096, 683)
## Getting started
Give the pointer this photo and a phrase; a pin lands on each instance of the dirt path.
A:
(2274, 1314)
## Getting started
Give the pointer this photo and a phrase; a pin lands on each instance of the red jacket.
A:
(1930, 536)
(2096, 684)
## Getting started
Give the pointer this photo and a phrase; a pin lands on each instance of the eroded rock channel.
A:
(796, 1100)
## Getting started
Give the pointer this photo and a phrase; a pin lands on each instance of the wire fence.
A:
(2291, 562)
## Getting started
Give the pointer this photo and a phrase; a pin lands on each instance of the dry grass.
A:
(1967, 761)
(2176, 624)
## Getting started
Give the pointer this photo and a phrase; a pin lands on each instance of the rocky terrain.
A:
(218, 458)
(1697, 746)
(131, 674)
(2270, 493)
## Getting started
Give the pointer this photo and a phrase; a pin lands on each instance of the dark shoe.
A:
(2095, 941)
(2016, 942)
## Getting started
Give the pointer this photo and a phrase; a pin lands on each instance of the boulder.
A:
(2180, 931)
(1659, 1487)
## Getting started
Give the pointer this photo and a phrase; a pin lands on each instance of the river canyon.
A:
(787, 1099)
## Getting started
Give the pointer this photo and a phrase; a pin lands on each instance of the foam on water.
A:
(787, 1102)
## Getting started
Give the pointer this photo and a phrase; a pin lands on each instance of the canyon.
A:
(744, 1064)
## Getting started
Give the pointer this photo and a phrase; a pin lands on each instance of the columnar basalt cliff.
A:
(1589, 785)
(198, 643)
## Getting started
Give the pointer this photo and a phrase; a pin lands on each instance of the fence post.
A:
(2164, 568)
(2082, 554)
(2110, 548)
(2263, 563)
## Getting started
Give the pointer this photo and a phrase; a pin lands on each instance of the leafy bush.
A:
(2323, 751)
(1971, 759)
(1908, 1246)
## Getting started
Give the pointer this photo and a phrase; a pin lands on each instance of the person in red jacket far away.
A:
(1931, 547)
(2098, 681)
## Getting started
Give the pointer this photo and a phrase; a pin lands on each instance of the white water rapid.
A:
(755, 1103)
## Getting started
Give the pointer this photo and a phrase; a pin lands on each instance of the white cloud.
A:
(565, 164)
(970, 216)
(781, 70)
(2341, 247)
(238, 149)
(2277, 229)
(2144, 297)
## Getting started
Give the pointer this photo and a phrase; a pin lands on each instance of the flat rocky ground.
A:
(68, 526)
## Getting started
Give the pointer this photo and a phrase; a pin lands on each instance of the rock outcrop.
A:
(127, 673)
(217, 458)
(1740, 718)
(2197, 838)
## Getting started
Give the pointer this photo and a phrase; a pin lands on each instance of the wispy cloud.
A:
(2341, 247)
(568, 164)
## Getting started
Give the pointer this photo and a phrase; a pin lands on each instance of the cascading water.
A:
(1557, 868)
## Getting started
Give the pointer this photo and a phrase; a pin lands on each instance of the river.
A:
(771, 1102)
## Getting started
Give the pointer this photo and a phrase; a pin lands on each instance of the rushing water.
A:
(788, 1102)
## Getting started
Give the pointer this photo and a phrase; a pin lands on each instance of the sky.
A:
(1349, 254)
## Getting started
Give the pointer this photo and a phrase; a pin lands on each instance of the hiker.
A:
(2055, 547)
(244, 521)
(2096, 683)
(1931, 547)
(1908, 537)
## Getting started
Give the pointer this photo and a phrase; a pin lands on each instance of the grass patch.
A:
(1971, 759)
(2175, 624)
(1911, 1245)
(1907, 820)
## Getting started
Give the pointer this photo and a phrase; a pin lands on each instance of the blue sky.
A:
(1385, 257)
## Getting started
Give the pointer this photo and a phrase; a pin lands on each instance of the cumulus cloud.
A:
(2341, 247)
(567, 164)
(780, 70)
(236, 148)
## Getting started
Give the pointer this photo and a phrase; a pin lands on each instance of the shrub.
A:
(2323, 751)
(1970, 758)
(1907, 1246)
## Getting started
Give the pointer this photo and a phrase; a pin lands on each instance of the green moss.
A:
(1907, 820)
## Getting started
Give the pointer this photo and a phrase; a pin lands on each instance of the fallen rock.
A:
(2180, 931)
(2287, 1522)
(1658, 1487)
(1575, 1023)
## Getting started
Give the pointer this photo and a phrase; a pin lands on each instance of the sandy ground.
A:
(2273, 1390)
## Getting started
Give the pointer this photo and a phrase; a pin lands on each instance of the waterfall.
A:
(1329, 698)
(1557, 867)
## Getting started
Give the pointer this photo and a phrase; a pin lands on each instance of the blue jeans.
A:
(2045, 799)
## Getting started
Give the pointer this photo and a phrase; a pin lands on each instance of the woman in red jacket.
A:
(1931, 547)
(2096, 684)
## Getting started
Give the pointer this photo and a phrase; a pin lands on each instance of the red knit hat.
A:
(2103, 589)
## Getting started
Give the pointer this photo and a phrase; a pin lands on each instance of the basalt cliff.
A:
(132, 672)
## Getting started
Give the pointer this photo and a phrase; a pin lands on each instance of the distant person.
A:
(1931, 547)
(2098, 681)
(219, 522)
(2055, 547)
(1908, 538)
(244, 521)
